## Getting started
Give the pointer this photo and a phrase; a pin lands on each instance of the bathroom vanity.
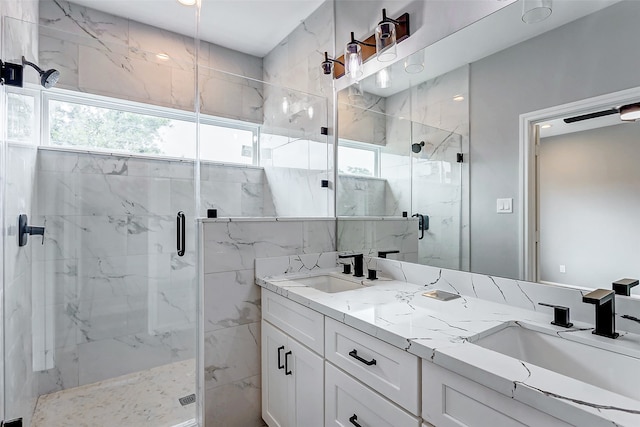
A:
(343, 351)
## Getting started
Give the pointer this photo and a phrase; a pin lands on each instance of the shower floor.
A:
(145, 398)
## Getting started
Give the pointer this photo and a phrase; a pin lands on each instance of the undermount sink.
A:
(605, 369)
(329, 284)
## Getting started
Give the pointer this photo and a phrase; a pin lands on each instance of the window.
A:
(118, 126)
(356, 158)
(22, 115)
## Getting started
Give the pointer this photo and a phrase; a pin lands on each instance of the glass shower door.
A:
(437, 195)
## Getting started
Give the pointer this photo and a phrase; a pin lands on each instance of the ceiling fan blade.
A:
(591, 115)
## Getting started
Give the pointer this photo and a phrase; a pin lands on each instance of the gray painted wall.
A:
(582, 59)
(589, 204)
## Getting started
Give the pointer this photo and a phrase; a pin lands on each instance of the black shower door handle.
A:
(180, 233)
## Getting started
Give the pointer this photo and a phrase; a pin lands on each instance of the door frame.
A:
(528, 176)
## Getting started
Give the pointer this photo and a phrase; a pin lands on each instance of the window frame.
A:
(376, 149)
(98, 101)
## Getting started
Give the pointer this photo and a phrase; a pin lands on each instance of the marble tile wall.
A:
(108, 55)
(295, 63)
(114, 286)
(17, 176)
(362, 116)
(361, 196)
(232, 306)
(369, 235)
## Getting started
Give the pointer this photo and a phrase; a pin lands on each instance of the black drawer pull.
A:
(353, 420)
(280, 365)
(286, 363)
(354, 354)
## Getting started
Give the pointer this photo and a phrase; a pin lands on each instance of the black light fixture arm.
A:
(327, 59)
(353, 40)
(385, 18)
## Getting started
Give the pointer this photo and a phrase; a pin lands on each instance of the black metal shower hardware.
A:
(180, 233)
(423, 224)
(25, 230)
(13, 74)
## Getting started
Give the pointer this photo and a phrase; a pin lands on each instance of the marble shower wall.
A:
(18, 299)
(232, 306)
(368, 235)
(107, 55)
(115, 288)
(295, 64)
(440, 183)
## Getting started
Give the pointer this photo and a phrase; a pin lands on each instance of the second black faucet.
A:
(358, 263)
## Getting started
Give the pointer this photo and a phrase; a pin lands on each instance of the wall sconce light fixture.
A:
(630, 112)
(386, 38)
(327, 64)
(382, 43)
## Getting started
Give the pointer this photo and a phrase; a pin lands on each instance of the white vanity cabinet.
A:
(450, 400)
(292, 374)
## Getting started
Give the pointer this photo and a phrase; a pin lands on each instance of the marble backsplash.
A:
(368, 235)
(232, 305)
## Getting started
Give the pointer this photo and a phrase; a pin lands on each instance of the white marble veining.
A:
(145, 398)
(394, 310)
(232, 303)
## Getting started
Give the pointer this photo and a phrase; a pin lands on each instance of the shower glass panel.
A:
(274, 154)
(374, 162)
(437, 195)
(103, 310)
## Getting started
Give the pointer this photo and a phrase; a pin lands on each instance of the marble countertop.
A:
(444, 333)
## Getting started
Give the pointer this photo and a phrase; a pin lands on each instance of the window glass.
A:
(73, 124)
(21, 123)
(356, 160)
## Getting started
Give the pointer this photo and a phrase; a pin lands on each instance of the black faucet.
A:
(605, 302)
(623, 286)
(560, 315)
(383, 254)
(358, 263)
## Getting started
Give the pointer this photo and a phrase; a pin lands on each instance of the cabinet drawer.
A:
(395, 374)
(296, 320)
(349, 403)
(450, 400)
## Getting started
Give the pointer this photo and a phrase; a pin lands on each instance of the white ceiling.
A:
(250, 26)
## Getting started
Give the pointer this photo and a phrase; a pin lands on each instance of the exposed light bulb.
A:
(310, 112)
(162, 56)
(458, 98)
(547, 126)
(285, 105)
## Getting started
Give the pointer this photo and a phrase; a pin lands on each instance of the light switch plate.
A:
(504, 205)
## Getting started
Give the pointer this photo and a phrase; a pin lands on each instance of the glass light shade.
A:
(630, 113)
(353, 60)
(386, 41)
(383, 79)
(414, 64)
(534, 11)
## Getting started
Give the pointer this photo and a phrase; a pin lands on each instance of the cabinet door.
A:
(306, 386)
(274, 380)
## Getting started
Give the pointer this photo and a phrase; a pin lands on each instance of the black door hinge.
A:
(459, 157)
(324, 131)
(13, 423)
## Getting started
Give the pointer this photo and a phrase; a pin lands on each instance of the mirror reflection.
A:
(462, 97)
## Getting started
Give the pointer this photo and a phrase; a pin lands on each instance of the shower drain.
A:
(187, 400)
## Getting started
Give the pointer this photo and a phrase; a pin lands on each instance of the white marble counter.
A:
(443, 333)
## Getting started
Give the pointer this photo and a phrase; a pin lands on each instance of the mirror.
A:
(468, 98)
